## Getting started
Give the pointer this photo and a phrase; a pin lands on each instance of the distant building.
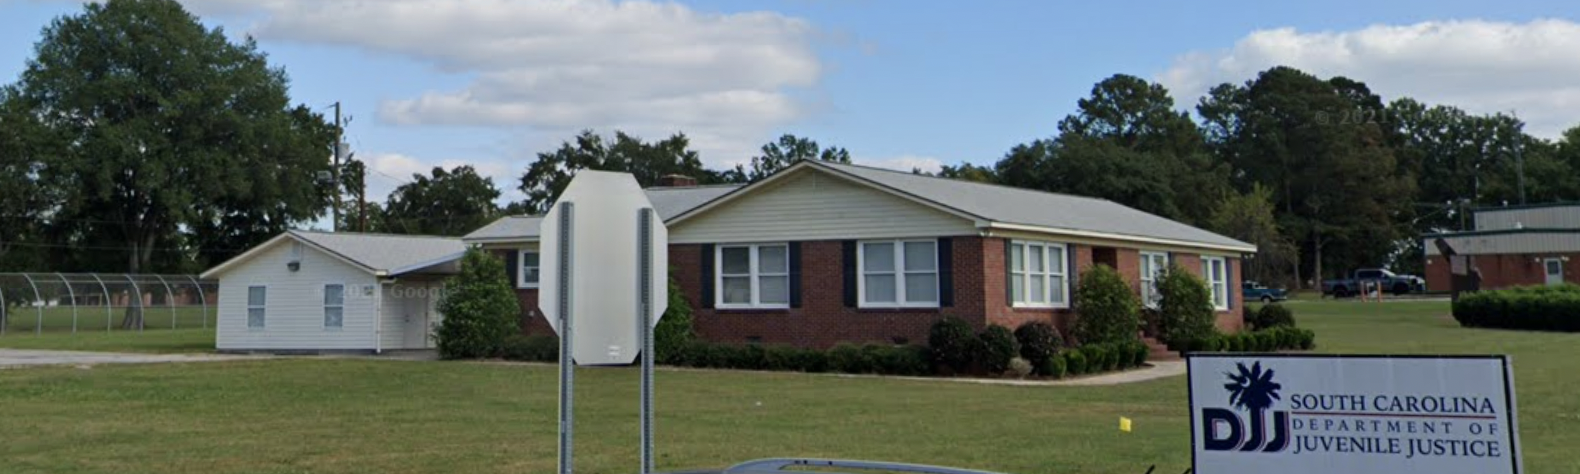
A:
(1513, 246)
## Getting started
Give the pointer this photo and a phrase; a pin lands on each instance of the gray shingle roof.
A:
(383, 252)
(1003, 204)
(667, 202)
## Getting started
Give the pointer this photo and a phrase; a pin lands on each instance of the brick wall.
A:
(1502, 271)
(532, 320)
(1227, 321)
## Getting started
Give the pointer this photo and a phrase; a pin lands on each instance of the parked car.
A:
(1384, 279)
(1254, 291)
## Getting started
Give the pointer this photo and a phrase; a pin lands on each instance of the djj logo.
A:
(1252, 390)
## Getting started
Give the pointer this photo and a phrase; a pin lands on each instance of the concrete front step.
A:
(1159, 351)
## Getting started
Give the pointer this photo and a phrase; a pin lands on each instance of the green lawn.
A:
(63, 319)
(337, 415)
(148, 340)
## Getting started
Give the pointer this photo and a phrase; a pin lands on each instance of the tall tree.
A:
(451, 202)
(548, 176)
(1335, 179)
(1250, 217)
(969, 172)
(788, 150)
(158, 124)
(22, 202)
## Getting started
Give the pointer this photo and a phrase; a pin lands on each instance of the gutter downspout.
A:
(378, 317)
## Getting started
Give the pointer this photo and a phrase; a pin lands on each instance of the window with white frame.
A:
(257, 299)
(1216, 271)
(1037, 275)
(527, 273)
(334, 305)
(1153, 265)
(753, 276)
(898, 273)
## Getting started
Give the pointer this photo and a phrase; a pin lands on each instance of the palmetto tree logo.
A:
(1252, 389)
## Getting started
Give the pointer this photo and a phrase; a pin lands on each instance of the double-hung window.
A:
(1216, 271)
(1153, 265)
(1037, 275)
(898, 273)
(753, 276)
(334, 305)
(527, 274)
(257, 299)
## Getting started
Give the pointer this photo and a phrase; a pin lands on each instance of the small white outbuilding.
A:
(319, 292)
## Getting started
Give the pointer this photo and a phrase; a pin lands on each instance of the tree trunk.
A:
(142, 252)
(1316, 259)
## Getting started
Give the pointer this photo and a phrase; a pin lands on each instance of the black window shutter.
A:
(1228, 291)
(513, 267)
(848, 262)
(1009, 273)
(1072, 272)
(946, 272)
(707, 276)
(795, 274)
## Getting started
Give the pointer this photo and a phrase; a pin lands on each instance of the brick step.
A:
(1159, 351)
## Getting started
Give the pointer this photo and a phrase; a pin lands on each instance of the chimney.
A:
(677, 181)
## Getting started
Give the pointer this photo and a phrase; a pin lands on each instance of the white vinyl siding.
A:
(334, 305)
(293, 306)
(898, 273)
(1215, 271)
(527, 273)
(1038, 275)
(752, 276)
(1153, 265)
(812, 205)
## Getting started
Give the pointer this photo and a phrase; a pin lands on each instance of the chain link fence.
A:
(37, 303)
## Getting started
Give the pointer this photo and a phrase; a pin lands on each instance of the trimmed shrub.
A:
(1234, 343)
(1109, 309)
(672, 336)
(534, 348)
(1139, 353)
(954, 345)
(1272, 316)
(998, 348)
(479, 307)
(1542, 308)
(1019, 367)
(1056, 367)
(811, 360)
(1039, 342)
(897, 360)
(1075, 362)
(1185, 311)
(849, 358)
(748, 357)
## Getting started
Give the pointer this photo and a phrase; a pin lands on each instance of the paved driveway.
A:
(28, 357)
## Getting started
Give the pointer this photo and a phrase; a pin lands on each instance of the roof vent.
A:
(677, 181)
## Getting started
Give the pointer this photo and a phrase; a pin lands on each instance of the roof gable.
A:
(377, 254)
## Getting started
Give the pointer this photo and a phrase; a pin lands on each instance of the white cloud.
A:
(563, 65)
(1480, 66)
(907, 163)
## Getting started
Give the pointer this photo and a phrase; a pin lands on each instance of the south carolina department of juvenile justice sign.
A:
(1262, 413)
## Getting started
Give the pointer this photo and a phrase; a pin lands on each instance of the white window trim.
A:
(1047, 275)
(754, 276)
(899, 272)
(1149, 280)
(326, 306)
(521, 268)
(1213, 285)
(247, 313)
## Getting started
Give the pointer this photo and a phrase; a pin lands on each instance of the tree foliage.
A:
(479, 309)
(547, 177)
(451, 203)
(1250, 217)
(1185, 312)
(1110, 310)
(789, 149)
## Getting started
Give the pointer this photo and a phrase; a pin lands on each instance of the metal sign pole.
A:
(644, 321)
(567, 363)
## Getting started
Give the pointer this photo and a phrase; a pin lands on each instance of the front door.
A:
(414, 310)
(1555, 271)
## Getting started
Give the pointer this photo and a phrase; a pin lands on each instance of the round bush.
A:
(480, 309)
(1019, 367)
(1039, 341)
(849, 358)
(1235, 343)
(954, 344)
(1186, 312)
(1108, 307)
(998, 348)
(1272, 316)
(1140, 351)
(1075, 362)
(1056, 367)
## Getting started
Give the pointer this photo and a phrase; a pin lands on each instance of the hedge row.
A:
(1542, 308)
(1269, 340)
(1095, 358)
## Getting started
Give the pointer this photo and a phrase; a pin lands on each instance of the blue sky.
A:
(900, 84)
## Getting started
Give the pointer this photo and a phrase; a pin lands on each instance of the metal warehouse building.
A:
(1511, 246)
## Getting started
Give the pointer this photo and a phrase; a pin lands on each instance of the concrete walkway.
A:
(1154, 370)
(10, 358)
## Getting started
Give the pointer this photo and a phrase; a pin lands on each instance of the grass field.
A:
(339, 415)
(149, 340)
(59, 319)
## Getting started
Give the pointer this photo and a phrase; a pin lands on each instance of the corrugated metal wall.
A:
(1523, 243)
(1558, 217)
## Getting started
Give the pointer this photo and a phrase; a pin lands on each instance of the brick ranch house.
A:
(821, 253)
(1536, 244)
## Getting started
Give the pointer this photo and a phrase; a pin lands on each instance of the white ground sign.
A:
(604, 268)
(1259, 413)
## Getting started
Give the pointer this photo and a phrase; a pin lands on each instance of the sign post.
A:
(605, 251)
(1298, 414)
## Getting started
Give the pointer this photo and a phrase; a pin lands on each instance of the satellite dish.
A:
(604, 269)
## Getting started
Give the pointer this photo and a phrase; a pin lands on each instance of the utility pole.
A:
(334, 213)
(362, 200)
(1519, 159)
